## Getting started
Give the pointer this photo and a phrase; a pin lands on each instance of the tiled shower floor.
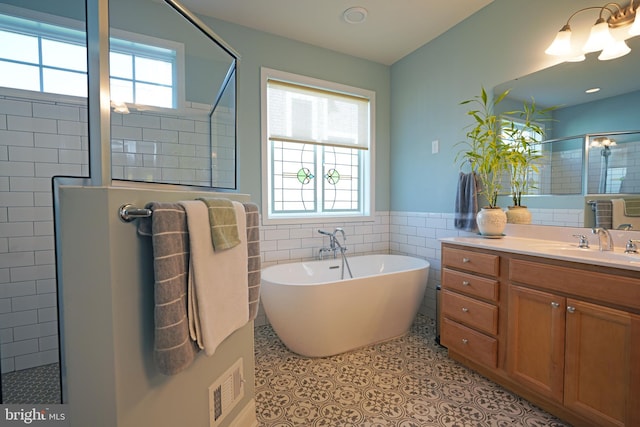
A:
(407, 382)
(34, 385)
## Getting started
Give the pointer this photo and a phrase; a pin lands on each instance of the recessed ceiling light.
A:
(355, 15)
(592, 90)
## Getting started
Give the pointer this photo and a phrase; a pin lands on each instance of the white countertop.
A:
(553, 249)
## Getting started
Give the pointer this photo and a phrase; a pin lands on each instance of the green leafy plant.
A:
(484, 150)
(522, 136)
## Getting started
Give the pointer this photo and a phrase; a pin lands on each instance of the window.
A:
(43, 57)
(317, 148)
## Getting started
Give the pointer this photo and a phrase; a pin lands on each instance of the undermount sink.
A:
(592, 252)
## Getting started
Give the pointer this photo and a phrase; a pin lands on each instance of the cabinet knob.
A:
(465, 341)
(571, 309)
(465, 260)
(555, 304)
(465, 309)
(465, 283)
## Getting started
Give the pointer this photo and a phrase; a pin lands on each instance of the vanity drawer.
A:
(477, 314)
(601, 287)
(471, 261)
(471, 285)
(469, 343)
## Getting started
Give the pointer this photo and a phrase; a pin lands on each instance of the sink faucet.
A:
(605, 241)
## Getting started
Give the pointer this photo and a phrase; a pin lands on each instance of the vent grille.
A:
(225, 393)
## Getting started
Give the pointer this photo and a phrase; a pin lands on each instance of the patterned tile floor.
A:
(34, 385)
(407, 382)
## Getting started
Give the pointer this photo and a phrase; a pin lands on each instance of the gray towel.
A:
(466, 203)
(253, 252)
(604, 214)
(173, 349)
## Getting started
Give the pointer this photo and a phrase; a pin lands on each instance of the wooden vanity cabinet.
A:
(470, 312)
(568, 338)
(582, 354)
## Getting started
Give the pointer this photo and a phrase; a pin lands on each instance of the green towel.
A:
(632, 207)
(224, 227)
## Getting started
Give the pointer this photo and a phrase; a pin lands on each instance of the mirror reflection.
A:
(593, 142)
(173, 98)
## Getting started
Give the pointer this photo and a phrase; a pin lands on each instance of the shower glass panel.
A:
(613, 160)
(43, 108)
(173, 93)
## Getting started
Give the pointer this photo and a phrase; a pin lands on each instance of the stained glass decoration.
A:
(332, 176)
(305, 176)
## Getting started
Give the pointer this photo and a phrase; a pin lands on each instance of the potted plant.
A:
(521, 136)
(487, 157)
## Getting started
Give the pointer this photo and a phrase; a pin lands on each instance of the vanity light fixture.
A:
(600, 37)
(603, 142)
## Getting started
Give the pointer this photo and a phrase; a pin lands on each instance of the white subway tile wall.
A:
(43, 135)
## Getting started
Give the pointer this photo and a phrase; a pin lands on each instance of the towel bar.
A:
(128, 212)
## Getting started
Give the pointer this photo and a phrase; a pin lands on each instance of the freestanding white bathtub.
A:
(316, 314)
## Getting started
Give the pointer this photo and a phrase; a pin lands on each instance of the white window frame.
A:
(179, 93)
(367, 194)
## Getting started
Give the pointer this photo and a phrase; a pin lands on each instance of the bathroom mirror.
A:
(582, 119)
(173, 93)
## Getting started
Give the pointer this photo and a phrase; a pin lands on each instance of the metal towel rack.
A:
(128, 212)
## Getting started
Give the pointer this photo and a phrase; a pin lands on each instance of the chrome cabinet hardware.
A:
(465, 310)
(555, 304)
(466, 260)
(465, 341)
(571, 309)
(465, 283)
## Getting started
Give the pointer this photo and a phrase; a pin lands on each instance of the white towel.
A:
(218, 282)
(618, 215)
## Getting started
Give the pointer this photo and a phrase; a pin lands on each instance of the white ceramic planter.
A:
(518, 215)
(491, 221)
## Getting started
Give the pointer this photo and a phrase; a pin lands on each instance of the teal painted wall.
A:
(258, 49)
(619, 113)
(501, 42)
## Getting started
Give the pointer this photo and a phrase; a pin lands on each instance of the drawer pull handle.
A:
(466, 260)
(465, 309)
(555, 304)
(465, 341)
(571, 309)
(465, 283)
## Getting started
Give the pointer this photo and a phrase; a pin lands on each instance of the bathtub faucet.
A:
(334, 244)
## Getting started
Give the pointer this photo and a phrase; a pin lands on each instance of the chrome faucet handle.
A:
(631, 247)
(326, 233)
(583, 242)
(625, 227)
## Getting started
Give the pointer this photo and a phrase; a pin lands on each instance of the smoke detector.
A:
(355, 15)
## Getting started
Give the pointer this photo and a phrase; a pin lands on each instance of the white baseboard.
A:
(246, 417)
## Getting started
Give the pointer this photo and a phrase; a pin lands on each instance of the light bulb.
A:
(561, 45)
(614, 50)
(599, 38)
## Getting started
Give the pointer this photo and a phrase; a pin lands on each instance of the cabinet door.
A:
(599, 376)
(535, 344)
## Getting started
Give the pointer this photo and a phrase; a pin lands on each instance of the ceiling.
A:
(392, 29)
